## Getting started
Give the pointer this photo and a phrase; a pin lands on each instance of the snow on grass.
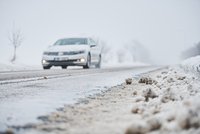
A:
(17, 67)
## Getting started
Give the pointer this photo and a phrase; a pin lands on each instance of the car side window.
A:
(92, 42)
(89, 41)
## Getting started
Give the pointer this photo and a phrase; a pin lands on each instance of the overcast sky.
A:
(164, 27)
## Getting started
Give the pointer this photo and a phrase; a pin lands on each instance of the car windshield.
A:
(72, 41)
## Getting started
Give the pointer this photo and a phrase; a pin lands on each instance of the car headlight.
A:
(82, 60)
(44, 62)
(81, 52)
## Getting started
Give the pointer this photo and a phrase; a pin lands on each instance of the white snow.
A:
(192, 65)
(48, 94)
(173, 106)
(177, 105)
(17, 66)
(7, 66)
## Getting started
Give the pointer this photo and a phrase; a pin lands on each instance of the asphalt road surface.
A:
(25, 95)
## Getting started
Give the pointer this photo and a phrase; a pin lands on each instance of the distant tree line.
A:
(191, 52)
(137, 51)
(131, 52)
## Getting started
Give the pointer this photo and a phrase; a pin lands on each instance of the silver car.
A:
(72, 52)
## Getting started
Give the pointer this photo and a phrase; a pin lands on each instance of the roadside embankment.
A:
(164, 101)
(192, 65)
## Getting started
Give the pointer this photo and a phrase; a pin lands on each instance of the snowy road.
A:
(25, 95)
(29, 75)
(34, 74)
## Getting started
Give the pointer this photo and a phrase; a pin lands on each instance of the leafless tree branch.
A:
(15, 38)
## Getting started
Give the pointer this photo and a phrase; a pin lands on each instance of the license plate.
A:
(61, 59)
(56, 59)
(65, 58)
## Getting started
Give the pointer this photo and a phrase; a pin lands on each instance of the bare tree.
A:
(16, 39)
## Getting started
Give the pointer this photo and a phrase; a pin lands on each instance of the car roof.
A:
(75, 38)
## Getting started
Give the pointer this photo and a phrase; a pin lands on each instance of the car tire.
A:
(88, 62)
(98, 65)
(46, 67)
(64, 67)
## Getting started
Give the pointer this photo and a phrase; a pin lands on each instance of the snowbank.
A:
(124, 64)
(192, 65)
(16, 67)
(166, 101)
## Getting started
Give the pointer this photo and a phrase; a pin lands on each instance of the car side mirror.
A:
(92, 45)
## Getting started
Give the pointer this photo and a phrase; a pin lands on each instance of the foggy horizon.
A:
(165, 28)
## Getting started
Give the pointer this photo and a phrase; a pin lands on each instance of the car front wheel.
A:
(88, 62)
(46, 67)
(98, 65)
(64, 67)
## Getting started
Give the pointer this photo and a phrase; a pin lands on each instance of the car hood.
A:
(67, 48)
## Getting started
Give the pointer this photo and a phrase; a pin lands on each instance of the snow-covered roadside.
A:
(21, 67)
(192, 65)
(17, 67)
(124, 64)
(169, 103)
(165, 101)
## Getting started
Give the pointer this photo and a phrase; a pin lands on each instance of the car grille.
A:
(53, 53)
(65, 61)
(71, 53)
(63, 53)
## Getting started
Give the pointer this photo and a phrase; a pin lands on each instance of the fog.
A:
(165, 28)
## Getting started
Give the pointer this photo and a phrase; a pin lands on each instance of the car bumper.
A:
(64, 61)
